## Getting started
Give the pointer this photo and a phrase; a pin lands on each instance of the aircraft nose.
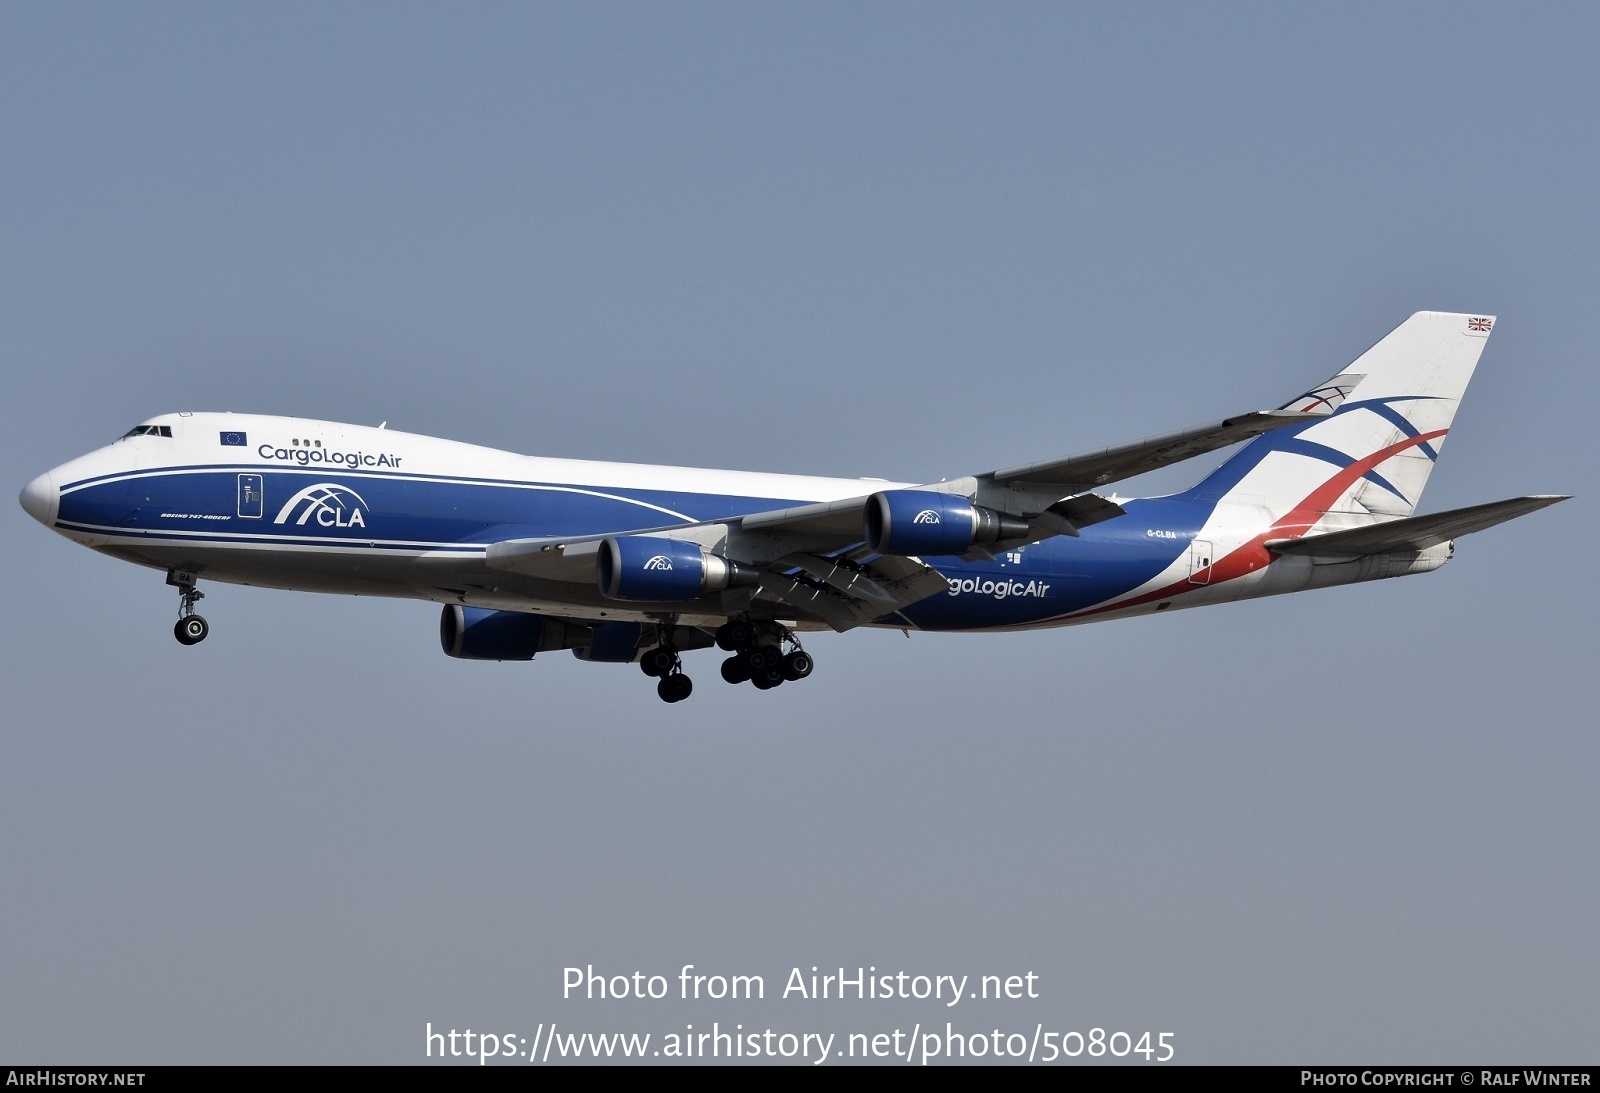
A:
(40, 499)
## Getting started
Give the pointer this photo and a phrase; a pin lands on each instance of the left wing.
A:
(827, 575)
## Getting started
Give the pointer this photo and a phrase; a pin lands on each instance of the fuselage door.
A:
(252, 496)
(1200, 559)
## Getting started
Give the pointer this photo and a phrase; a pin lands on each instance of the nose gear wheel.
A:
(191, 629)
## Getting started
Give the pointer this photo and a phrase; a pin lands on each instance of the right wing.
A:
(1031, 488)
(814, 557)
(1052, 494)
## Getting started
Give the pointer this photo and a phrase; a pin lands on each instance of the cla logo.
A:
(660, 561)
(926, 516)
(333, 506)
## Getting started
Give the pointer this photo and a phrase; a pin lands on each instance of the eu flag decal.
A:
(235, 440)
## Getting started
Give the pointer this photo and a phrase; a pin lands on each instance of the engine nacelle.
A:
(923, 522)
(476, 633)
(648, 567)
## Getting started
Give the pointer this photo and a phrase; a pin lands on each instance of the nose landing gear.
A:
(191, 629)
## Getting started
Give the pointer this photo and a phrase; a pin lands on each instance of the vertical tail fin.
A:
(1373, 454)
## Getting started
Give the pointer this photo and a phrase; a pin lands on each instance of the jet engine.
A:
(475, 633)
(648, 567)
(923, 522)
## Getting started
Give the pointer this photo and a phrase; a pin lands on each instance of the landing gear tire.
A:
(758, 656)
(735, 635)
(674, 688)
(658, 661)
(191, 630)
(763, 657)
(798, 665)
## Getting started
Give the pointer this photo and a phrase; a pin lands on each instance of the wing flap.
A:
(887, 583)
(837, 611)
(846, 592)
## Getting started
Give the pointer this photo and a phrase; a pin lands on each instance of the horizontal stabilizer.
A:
(1414, 532)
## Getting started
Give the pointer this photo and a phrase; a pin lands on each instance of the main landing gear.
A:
(191, 628)
(758, 658)
(664, 663)
(758, 655)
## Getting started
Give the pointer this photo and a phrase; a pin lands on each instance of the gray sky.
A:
(897, 240)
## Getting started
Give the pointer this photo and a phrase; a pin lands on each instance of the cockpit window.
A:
(147, 430)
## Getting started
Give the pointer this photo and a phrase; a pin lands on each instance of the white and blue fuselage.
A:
(319, 506)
